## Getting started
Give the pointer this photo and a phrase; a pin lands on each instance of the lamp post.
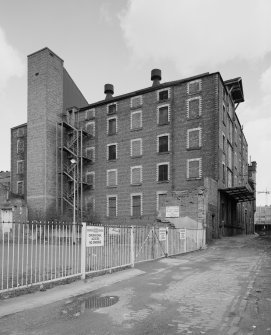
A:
(74, 162)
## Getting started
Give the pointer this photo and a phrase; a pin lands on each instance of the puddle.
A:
(79, 306)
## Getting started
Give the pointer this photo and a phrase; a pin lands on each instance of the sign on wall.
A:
(172, 211)
(94, 236)
(182, 234)
(162, 234)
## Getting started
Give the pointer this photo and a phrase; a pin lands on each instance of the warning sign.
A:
(162, 234)
(182, 234)
(95, 237)
(172, 211)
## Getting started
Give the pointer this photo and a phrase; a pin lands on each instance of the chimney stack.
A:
(109, 91)
(156, 77)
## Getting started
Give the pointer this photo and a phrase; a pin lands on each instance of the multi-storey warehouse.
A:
(125, 158)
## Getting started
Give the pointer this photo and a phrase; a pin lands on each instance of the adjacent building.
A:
(125, 159)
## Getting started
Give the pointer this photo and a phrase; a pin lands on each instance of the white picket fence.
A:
(33, 253)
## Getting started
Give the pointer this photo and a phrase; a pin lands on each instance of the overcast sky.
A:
(120, 41)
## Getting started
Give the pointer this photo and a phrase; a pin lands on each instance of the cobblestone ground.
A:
(225, 289)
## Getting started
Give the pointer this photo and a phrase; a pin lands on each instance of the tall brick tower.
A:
(50, 91)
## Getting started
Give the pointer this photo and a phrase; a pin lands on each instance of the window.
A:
(194, 106)
(20, 187)
(229, 156)
(111, 152)
(20, 146)
(90, 153)
(163, 172)
(229, 178)
(136, 101)
(112, 126)
(193, 138)
(161, 199)
(90, 128)
(194, 170)
(223, 173)
(136, 205)
(89, 114)
(112, 108)
(224, 114)
(136, 147)
(163, 94)
(20, 167)
(194, 86)
(136, 175)
(163, 114)
(90, 177)
(136, 120)
(89, 205)
(20, 132)
(112, 178)
(163, 143)
(112, 206)
(223, 142)
(230, 129)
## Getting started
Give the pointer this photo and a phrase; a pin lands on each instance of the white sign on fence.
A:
(172, 211)
(182, 234)
(114, 231)
(162, 234)
(94, 236)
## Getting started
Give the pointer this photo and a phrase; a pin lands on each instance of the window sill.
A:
(162, 181)
(163, 124)
(112, 160)
(138, 184)
(193, 118)
(194, 148)
(136, 156)
(163, 100)
(163, 153)
(195, 178)
(112, 134)
(136, 129)
(136, 107)
(192, 93)
(112, 186)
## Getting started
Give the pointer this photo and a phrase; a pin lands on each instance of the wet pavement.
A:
(225, 289)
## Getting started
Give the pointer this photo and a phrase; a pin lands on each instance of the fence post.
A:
(83, 251)
(132, 252)
(166, 253)
(185, 241)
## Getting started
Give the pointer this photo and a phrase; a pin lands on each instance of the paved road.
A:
(225, 289)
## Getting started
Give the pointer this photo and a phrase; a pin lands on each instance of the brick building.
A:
(126, 158)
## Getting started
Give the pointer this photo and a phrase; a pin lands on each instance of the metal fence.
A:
(34, 252)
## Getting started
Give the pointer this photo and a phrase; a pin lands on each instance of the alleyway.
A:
(225, 289)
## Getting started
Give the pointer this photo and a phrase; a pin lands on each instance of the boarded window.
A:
(112, 126)
(112, 206)
(163, 143)
(111, 178)
(193, 138)
(194, 108)
(163, 172)
(161, 200)
(136, 205)
(194, 86)
(136, 175)
(136, 120)
(20, 167)
(90, 179)
(136, 101)
(136, 147)
(223, 173)
(112, 152)
(194, 168)
(90, 128)
(20, 146)
(89, 114)
(20, 187)
(90, 153)
(163, 115)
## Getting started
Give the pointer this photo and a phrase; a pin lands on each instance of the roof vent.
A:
(156, 77)
(109, 91)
